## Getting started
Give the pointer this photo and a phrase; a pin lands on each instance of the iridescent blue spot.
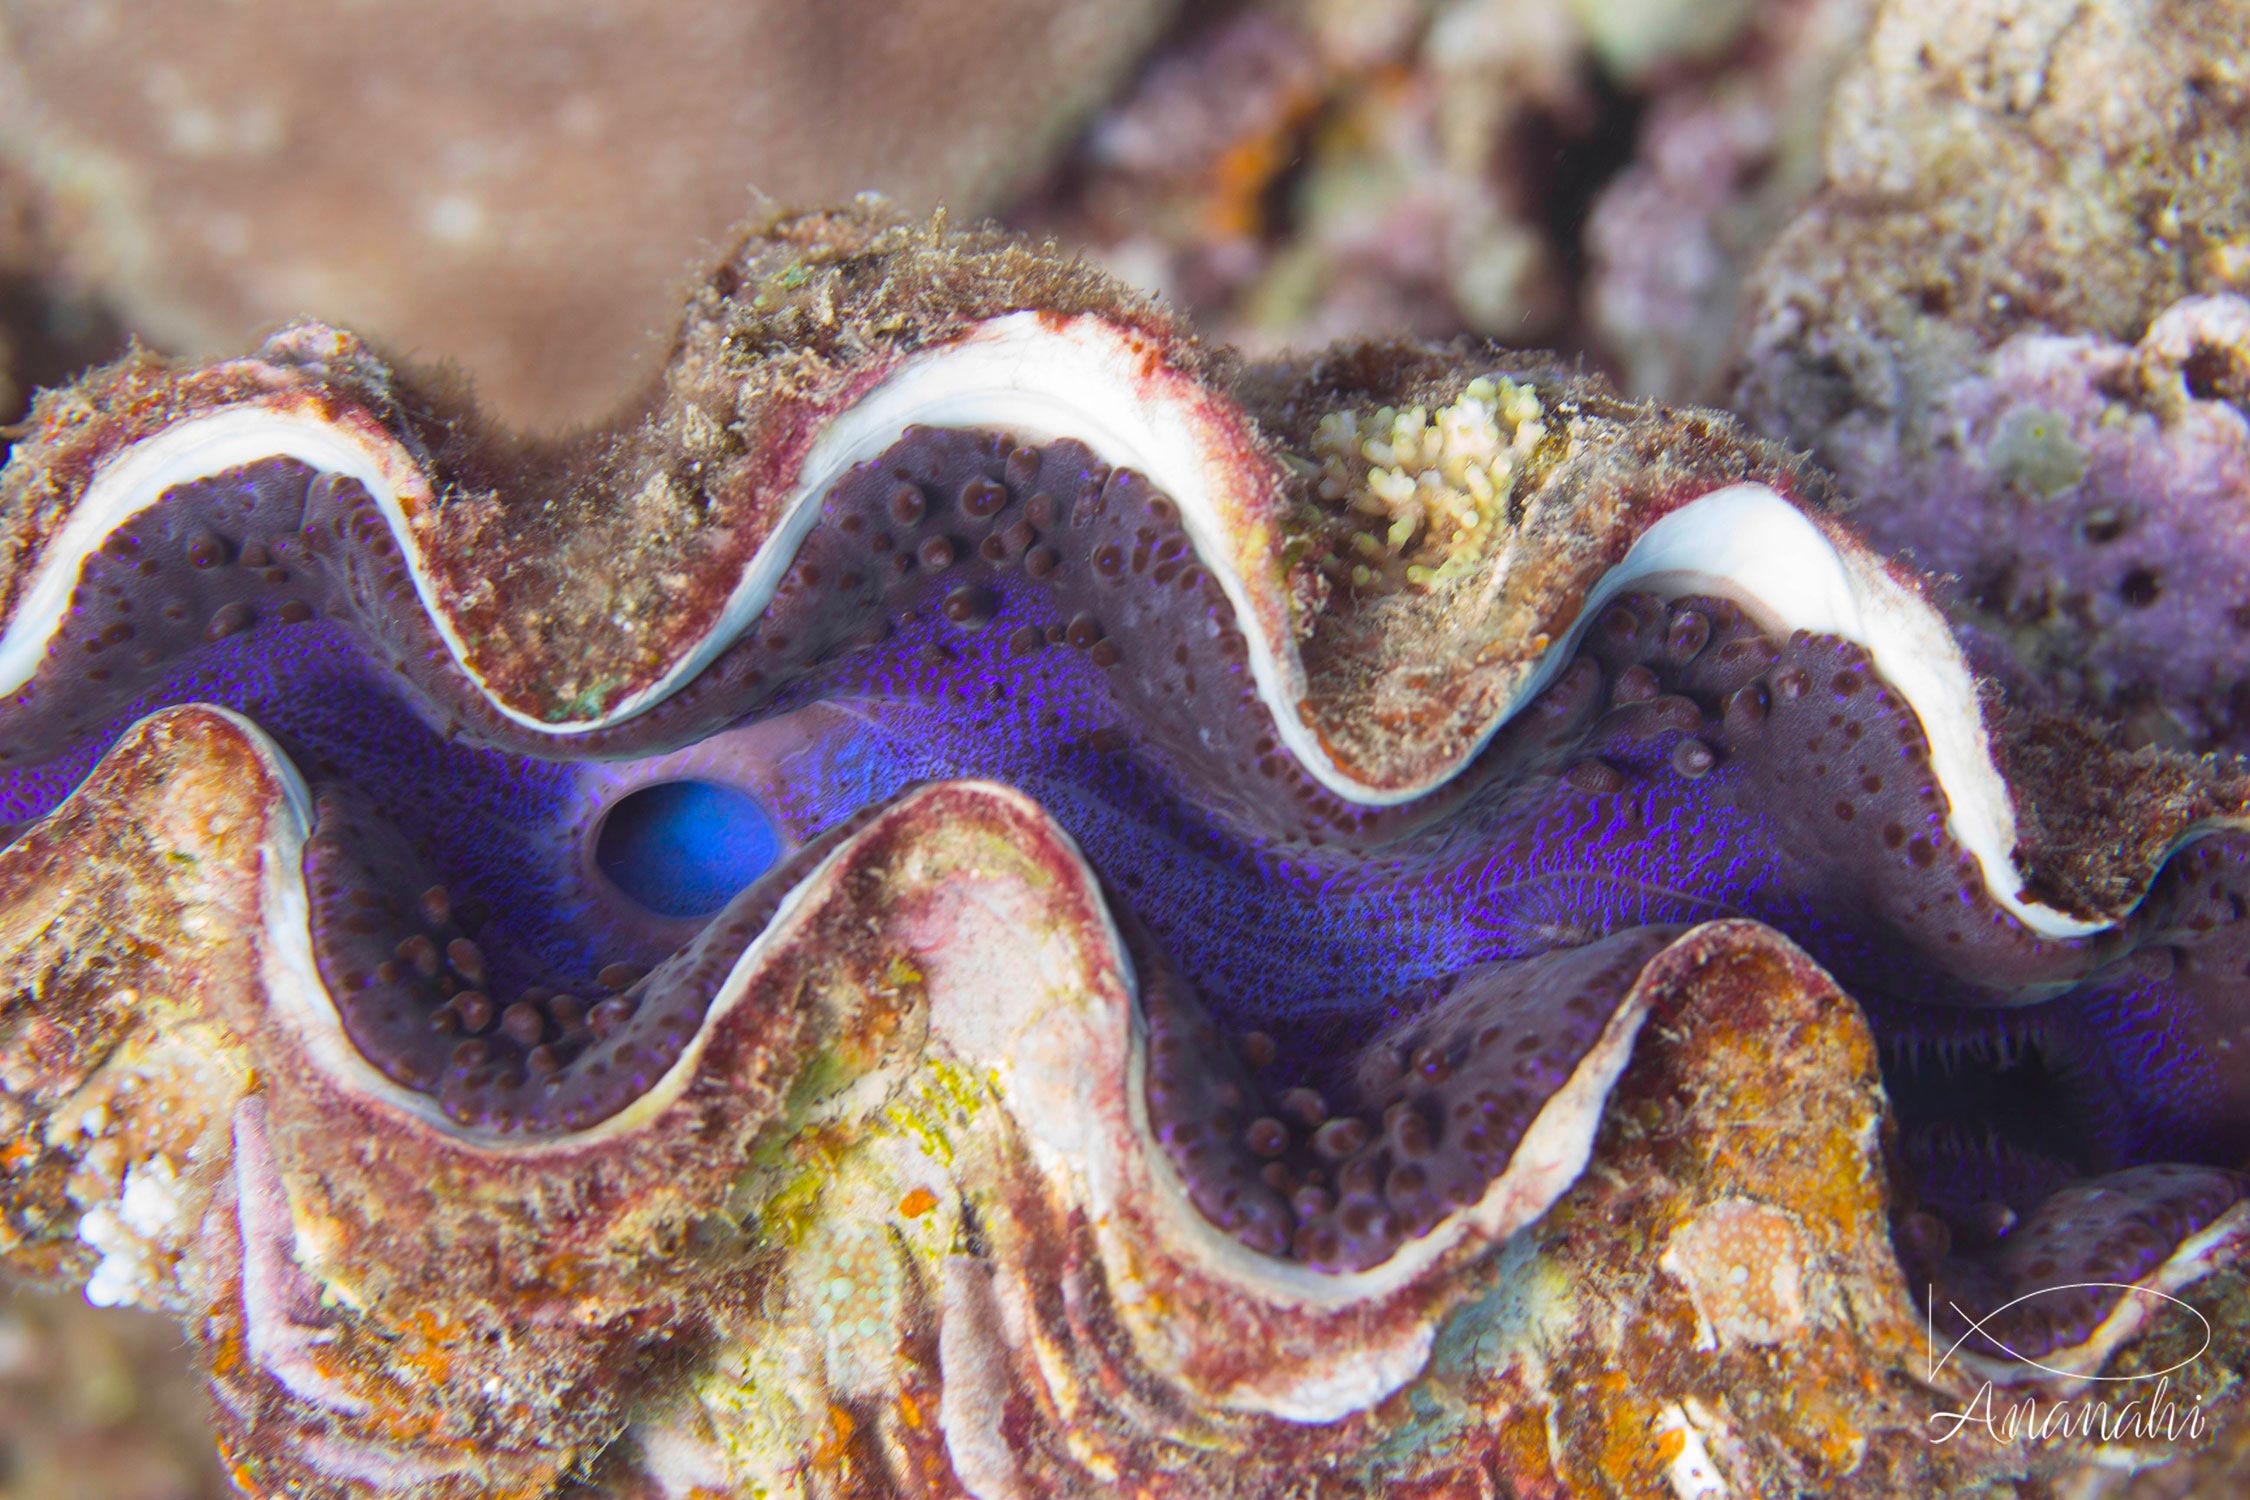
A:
(683, 848)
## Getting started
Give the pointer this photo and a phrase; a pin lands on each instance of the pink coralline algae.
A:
(2010, 318)
(982, 899)
(2094, 498)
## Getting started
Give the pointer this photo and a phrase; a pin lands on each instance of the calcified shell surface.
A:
(587, 840)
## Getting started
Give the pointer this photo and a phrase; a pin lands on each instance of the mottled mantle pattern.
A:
(931, 914)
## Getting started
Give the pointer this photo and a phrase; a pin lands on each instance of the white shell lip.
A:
(290, 976)
(2218, 1244)
(1549, 1158)
(1126, 1175)
(1551, 1155)
(1088, 379)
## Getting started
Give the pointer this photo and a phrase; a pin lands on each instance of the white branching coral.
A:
(1438, 484)
(138, 1235)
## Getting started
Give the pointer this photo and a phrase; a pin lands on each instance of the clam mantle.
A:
(977, 897)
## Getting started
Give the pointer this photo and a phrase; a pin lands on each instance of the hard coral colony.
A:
(985, 900)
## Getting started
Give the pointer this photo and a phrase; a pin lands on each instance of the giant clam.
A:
(982, 899)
